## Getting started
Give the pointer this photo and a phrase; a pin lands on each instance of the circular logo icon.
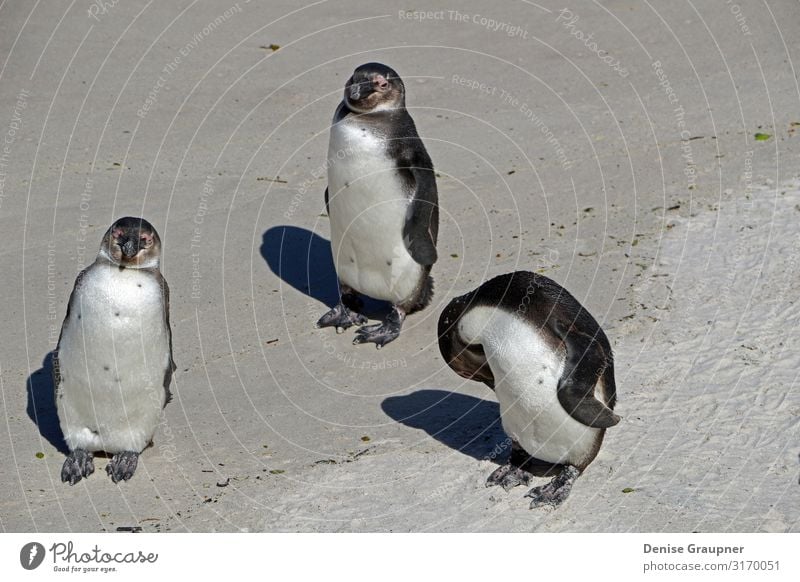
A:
(31, 555)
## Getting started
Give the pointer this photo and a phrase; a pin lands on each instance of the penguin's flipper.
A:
(56, 360)
(585, 363)
(422, 217)
(171, 366)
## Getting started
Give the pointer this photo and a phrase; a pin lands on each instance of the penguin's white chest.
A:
(527, 369)
(368, 202)
(113, 355)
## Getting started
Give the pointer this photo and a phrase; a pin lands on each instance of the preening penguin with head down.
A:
(551, 367)
(113, 363)
(382, 203)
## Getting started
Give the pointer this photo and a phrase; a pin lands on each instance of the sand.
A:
(612, 148)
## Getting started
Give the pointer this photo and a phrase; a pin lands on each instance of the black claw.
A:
(508, 477)
(556, 491)
(122, 466)
(341, 317)
(78, 464)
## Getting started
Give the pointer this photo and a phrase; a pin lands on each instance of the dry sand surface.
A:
(610, 146)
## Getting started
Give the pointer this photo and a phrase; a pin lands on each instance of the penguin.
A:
(382, 203)
(551, 367)
(113, 362)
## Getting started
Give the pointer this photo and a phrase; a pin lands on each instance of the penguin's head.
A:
(374, 87)
(132, 242)
(467, 360)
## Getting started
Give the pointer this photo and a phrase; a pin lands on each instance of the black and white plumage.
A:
(551, 367)
(113, 364)
(382, 203)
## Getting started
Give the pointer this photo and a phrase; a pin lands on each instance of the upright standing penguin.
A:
(551, 366)
(382, 203)
(113, 363)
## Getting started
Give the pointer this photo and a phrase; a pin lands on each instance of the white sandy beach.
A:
(611, 147)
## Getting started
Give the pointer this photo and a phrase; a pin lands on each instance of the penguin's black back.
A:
(543, 303)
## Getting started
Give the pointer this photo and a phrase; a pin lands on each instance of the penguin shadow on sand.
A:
(304, 260)
(42, 404)
(467, 424)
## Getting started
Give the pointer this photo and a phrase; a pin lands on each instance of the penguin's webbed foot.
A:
(122, 466)
(556, 491)
(508, 476)
(78, 464)
(381, 334)
(341, 317)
